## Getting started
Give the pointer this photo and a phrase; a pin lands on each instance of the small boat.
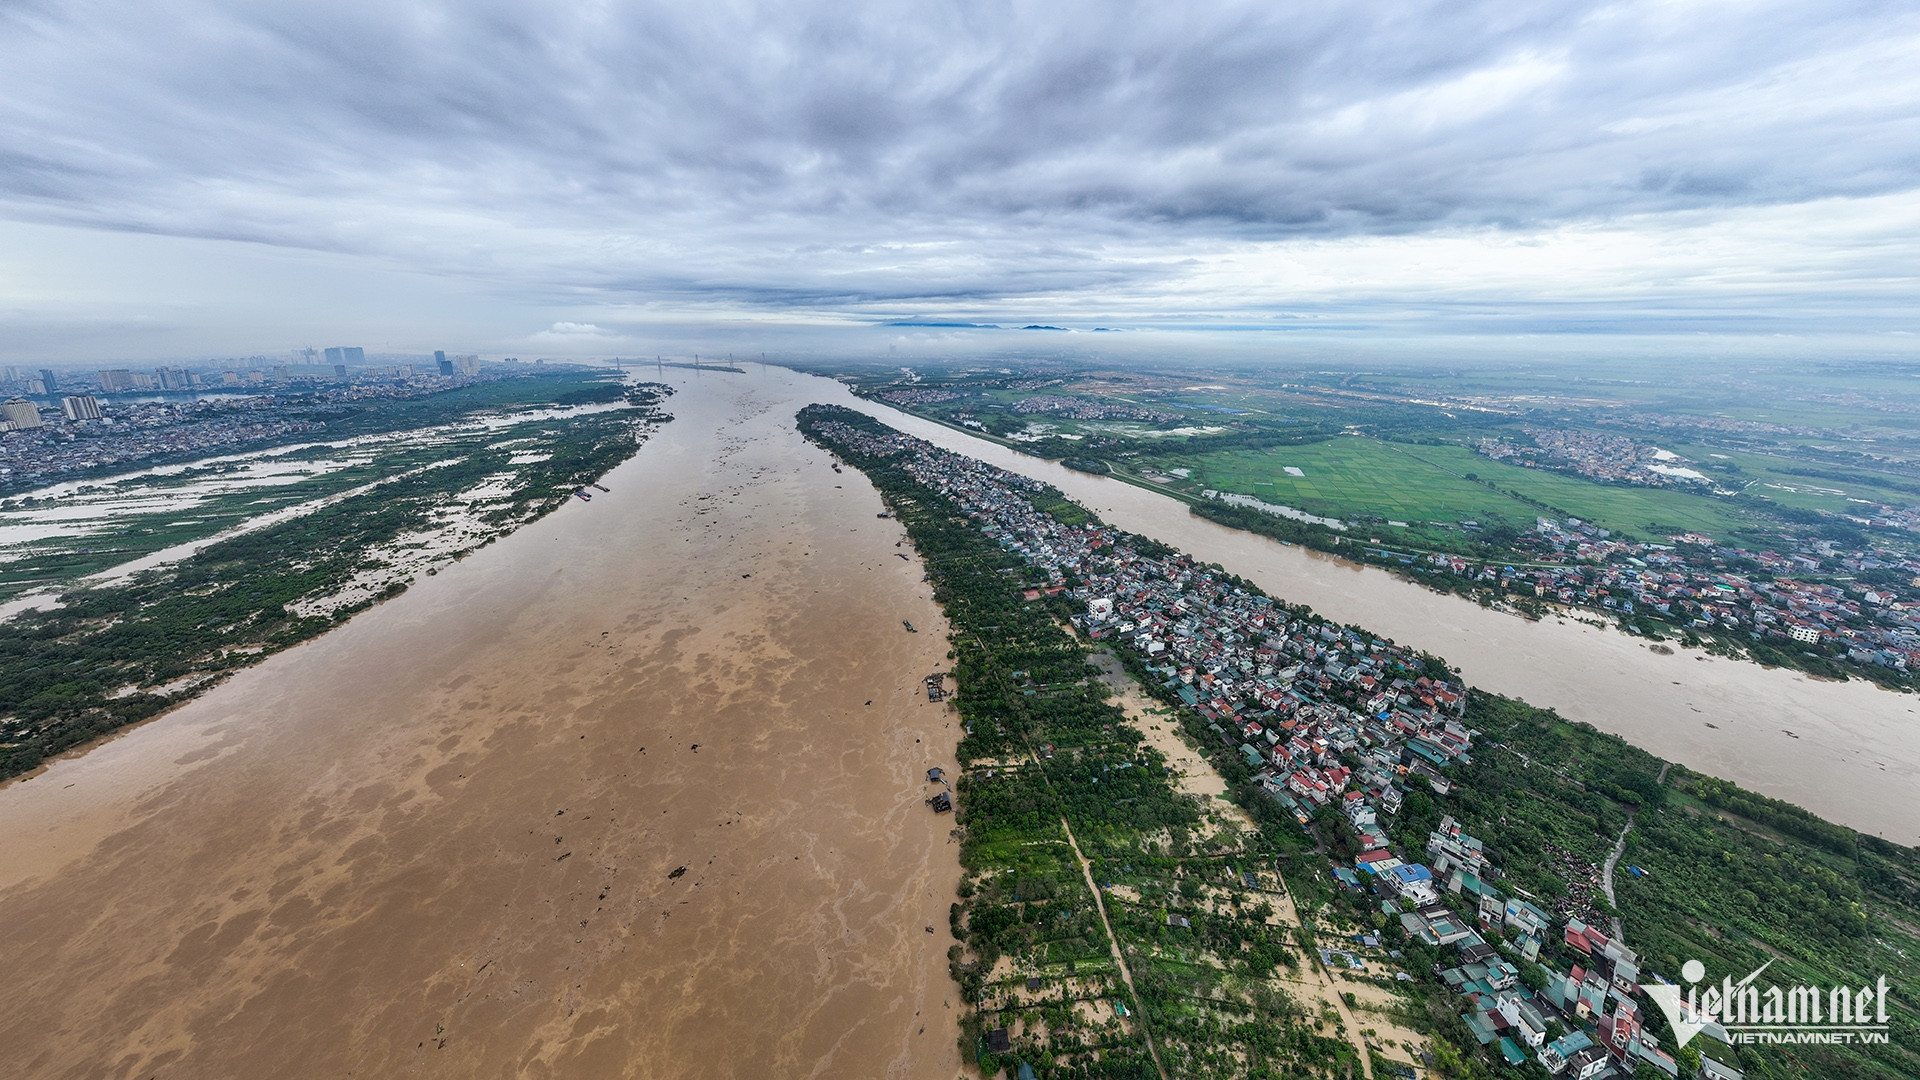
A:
(584, 497)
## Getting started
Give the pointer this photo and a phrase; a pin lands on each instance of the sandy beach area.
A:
(636, 791)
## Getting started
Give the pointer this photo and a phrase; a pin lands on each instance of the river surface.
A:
(447, 838)
(1849, 752)
(636, 791)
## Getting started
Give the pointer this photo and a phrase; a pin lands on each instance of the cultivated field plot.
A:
(1348, 477)
(1344, 477)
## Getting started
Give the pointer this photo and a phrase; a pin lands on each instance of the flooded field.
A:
(107, 529)
(1847, 751)
(635, 791)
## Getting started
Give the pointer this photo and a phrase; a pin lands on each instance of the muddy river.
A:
(1847, 751)
(636, 791)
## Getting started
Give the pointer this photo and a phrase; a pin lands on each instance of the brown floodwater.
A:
(441, 840)
(1847, 751)
(447, 838)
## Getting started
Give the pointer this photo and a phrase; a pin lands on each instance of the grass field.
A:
(1351, 477)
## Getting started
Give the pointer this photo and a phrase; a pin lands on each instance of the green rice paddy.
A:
(1353, 476)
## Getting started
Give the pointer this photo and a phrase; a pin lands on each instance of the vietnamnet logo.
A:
(1740, 1012)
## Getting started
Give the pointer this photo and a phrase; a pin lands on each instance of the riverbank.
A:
(444, 836)
(1849, 752)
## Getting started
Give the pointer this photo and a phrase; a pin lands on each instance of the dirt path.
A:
(1619, 849)
(1126, 974)
(1099, 905)
(1332, 995)
(1613, 859)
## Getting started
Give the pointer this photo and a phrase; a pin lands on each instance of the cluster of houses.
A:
(1326, 716)
(918, 396)
(1077, 408)
(1692, 581)
(1606, 458)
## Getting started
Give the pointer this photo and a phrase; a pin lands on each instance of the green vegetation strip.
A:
(117, 654)
(1206, 992)
(1725, 876)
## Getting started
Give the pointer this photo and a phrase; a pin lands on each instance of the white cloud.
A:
(809, 162)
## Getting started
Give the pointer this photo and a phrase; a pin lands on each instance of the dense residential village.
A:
(1607, 458)
(77, 427)
(1079, 408)
(70, 441)
(1778, 551)
(1330, 718)
(1699, 583)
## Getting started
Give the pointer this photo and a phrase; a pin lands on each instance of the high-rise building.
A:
(468, 365)
(353, 354)
(20, 414)
(46, 376)
(80, 407)
(334, 355)
(281, 373)
(36, 386)
(117, 379)
(446, 367)
(439, 357)
(339, 371)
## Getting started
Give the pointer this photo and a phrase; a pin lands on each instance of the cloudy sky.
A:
(593, 177)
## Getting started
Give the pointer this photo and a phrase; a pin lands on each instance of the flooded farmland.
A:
(636, 791)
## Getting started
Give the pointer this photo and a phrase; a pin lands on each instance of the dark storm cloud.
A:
(843, 154)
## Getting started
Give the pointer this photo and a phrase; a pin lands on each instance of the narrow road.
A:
(1126, 975)
(1619, 849)
(1347, 1021)
(1606, 872)
(1099, 904)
